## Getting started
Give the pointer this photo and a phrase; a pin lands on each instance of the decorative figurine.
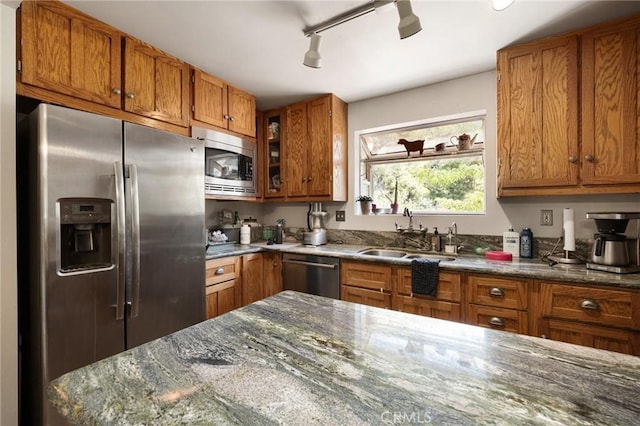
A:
(411, 146)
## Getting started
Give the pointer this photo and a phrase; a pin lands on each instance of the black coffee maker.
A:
(610, 250)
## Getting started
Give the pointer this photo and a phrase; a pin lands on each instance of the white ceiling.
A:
(259, 45)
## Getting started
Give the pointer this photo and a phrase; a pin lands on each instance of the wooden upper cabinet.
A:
(611, 107)
(68, 52)
(156, 85)
(219, 104)
(538, 114)
(316, 162)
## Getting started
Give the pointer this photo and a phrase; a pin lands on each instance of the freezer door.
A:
(165, 196)
(71, 315)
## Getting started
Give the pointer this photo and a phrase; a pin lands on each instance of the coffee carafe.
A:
(610, 250)
(316, 234)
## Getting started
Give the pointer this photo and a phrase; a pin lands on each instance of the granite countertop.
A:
(297, 359)
(525, 268)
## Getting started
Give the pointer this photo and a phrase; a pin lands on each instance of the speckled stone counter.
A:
(526, 268)
(300, 359)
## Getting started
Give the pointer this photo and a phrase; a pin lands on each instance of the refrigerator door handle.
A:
(135, 242)
(120, 219)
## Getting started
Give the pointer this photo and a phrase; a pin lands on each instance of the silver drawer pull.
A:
(589, 304)
(219, 271)
(496, 292)
(498, 322)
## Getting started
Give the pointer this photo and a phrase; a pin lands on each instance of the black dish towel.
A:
(424, 276)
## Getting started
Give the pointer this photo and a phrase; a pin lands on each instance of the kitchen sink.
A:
(404, 254)
(430, 256)
(383, 252)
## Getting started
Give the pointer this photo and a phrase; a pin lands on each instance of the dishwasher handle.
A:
(301, 262)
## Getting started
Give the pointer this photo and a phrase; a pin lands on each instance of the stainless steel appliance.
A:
(111, 243)
(319, 275)
(610, 250)
(316, 234)
(228, 163)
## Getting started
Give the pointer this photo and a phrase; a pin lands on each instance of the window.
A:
(442, 179)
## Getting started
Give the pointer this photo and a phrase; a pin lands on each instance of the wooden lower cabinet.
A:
(272, 273)
(252, 282)
(365, 296)
(498, 318)
(607, 338)
(223, 289)
(427, 307)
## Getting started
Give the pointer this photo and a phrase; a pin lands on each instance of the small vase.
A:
(394, 208)
(365, 207)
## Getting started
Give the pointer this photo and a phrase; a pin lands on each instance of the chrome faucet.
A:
(451, 245)
(407, 212)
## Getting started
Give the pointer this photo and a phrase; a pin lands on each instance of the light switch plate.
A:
(340, 217)
(546, 217)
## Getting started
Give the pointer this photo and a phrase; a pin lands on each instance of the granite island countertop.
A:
(525, 268)
(297, 359)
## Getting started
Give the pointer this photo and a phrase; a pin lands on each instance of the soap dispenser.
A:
(436, 242)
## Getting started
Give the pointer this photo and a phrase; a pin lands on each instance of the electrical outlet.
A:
(546, 217)
(340, 216)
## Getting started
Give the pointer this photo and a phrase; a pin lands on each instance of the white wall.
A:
(472, 93)
(8, 280)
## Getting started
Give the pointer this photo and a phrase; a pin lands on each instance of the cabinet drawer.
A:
(448, 284)
(427, 307)
(219, 270)
(607, 338)
(602, 306)
(366, 275)
(498, 318)
(499, 292)
(365, 297)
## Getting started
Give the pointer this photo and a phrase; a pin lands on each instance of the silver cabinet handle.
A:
(496, 292)
(219, 271)
(117, 91)
(120, 221)
(232, 119)
(573, 159)
(309, 179)
(589, 158)
(135, 241)
(319, 265)
(226, 116)
(131, 95)
(275, 264)
(304, 179)
(496, 321)
(589, 305)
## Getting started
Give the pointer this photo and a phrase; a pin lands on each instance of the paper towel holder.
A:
(568, 234)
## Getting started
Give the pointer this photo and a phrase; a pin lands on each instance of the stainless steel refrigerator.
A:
(112, 243)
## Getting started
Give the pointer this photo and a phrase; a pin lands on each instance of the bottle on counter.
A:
(526, 243)
(277, 238)
(436, 241)
(511, 242)
(245, 234)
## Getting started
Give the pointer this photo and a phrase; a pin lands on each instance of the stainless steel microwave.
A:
(228, 163)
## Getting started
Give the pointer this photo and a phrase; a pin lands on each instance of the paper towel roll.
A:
(569, 230)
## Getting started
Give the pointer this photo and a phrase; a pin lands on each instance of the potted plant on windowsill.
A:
(365, 204)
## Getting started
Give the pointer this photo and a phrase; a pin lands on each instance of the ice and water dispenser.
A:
(85, 234)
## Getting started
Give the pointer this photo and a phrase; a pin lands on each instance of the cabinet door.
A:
(428, 308)
(297, 142)
(209, 99)
(366, 275)
(228, 296)
(365, 297)
(275, 134)
(607, 338)
(70, 53)
(211, 302)
(320, 149)
(610, 91)
(156, 84)
(252, 283)
(500, 292)
(272, 273)
(448, 284)
(242, 111)
(538, 114)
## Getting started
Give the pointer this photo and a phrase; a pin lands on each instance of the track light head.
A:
(409, 22)
(312, 58)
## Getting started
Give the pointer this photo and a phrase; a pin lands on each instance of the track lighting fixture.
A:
(408, 26)
(312, 58)
(501, 4)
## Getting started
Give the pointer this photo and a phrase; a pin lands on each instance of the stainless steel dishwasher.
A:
(319, 275)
